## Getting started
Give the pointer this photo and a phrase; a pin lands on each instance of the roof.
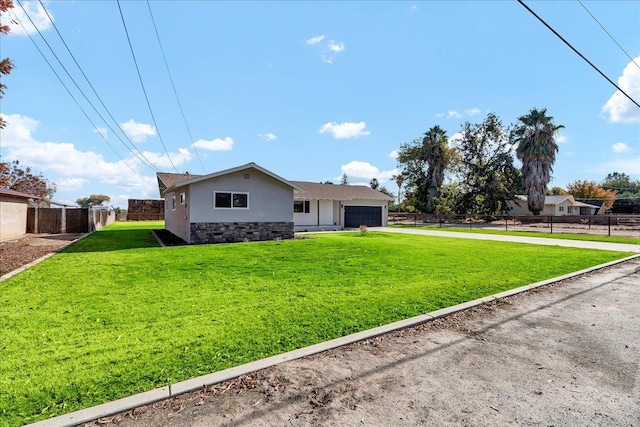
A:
(549, 200)
(316, 191)
(197, 178)
(166, 180)
(17, 194)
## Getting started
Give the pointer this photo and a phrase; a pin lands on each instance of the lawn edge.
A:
(128, 403)
(42, 258)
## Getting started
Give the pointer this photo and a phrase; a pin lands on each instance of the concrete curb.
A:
(39, 260)
(155, 236)
(198, 383)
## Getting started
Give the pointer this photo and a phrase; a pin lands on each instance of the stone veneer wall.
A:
(228, 232)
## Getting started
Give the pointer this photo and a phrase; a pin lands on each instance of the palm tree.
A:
(537, 148)
(436, 154)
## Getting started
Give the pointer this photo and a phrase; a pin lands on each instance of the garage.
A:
(355, 216)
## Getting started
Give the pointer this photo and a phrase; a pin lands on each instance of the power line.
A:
(73, 97)
(576, 51)
(143, 88)
(610, 36)
(173, 86)
(74, 81)
(148, 162)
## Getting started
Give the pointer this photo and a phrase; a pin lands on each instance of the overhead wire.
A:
(609, 34)
(65, 85)
(173, 86)
(143, 87)
(73, 97)
(140, 155)
(578, 52)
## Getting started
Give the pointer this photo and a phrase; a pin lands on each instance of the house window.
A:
(173, 203)
(300, 206)
(183, 198)
(561, 208)
(569, 209)
(230, 200)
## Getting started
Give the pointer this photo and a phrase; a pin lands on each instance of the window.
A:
(183, 198)
(570, 209)
(173, 203)
(300, 206)
(230, 200)
(561, 208)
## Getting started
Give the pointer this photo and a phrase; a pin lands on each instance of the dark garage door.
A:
(355, 216)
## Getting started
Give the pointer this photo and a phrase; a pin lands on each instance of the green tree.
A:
(344, 180)
(15, 177)
(591, 191)
(93, 200)
(556, 191)
(374, 183)
(488, 177)
(622, 183)
(423, 164)
(537, 148)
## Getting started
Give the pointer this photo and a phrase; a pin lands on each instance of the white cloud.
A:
(137, 132)
(472, 111)
(393, 154)
(561, 139)
(102, 131)
(367, 171)
(413, 8)
(162, 160)
(335, 47)
(439, 115)
(628, 165)
(620, 147)
(70, 184)
(315, 40)
(268, 136)
(454, 139)
(453, 113)
(345, 130)
(19, 23)
(217, 144)
(619, 109)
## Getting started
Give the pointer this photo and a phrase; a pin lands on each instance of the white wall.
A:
(13, 217)
(270, 200)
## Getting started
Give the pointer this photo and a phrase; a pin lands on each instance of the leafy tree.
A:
(488, 176)
(374, 183)
(591, 191)
(344, 180)
(556, 191)
(14, 177)
(622, 183)
(327, 182)
(5, 64)
(424, 162)
(537, 148)
(93, 200)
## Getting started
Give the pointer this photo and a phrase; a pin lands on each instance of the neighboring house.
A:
(243, 203)
(330, 206)
(13, 213)
(564, 205)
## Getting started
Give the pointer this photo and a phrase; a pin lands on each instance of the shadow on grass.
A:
(114, 240)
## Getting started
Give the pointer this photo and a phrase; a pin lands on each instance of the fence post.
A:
(551, 223)
(589, 222)
(609, 223)
(506, 223)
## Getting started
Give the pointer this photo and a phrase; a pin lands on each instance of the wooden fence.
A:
(67, 220)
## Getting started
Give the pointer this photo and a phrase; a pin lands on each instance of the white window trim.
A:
(232, 193)
(173, 203)
(183, 198)
(305, 204)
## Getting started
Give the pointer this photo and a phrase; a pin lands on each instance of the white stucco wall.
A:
(270, 200)
(13, 217)
(177, 220)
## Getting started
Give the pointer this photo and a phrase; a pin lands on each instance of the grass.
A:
(565, 236)
(115, 315)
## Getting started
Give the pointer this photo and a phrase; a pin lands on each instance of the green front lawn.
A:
(115, 314)
(541, 233)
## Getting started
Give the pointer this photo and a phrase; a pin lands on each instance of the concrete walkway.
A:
(623, 247)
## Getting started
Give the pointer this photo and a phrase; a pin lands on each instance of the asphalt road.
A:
(563, 355)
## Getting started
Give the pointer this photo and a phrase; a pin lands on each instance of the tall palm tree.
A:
(436, 154)
(537, 148)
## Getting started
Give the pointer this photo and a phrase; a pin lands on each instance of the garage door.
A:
(355, 216)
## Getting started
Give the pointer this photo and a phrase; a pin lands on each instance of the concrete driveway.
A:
(565, 355)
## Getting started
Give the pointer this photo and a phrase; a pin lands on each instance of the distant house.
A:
(13, 213)
(329, 206)
(247, 202)
(563, 205)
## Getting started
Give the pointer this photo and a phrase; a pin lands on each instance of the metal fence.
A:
(596, 224)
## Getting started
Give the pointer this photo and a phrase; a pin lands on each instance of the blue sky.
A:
(309, 90)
